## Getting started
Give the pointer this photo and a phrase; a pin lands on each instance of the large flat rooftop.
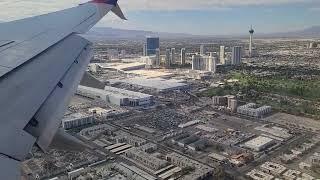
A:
(75, 116)
(150, 73)
(126, 93)
(115, 92)
(259, 143)
(155, 83)
(122, 66)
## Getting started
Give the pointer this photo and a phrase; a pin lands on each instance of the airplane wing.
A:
(42, 60)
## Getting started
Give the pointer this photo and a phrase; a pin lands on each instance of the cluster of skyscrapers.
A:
(200, 61)
(205, 63)
(152, 50)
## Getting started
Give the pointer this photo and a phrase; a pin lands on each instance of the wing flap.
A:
(10, 169)
(28, 87)
(52, 110)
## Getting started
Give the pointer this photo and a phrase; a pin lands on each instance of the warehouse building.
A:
(259, 144)
(146, 159)
(198, 145)
(188, 140)
(134, 172)
(76, 120)
(201, 171)
(116, 96)
(121, 66)
(130, 98)
(156, 84)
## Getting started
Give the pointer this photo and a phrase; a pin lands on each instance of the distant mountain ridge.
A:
(311, 32)
(107, 33)
(101, 33)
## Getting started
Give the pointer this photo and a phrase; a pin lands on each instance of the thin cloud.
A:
(13, 9)
(201, 4)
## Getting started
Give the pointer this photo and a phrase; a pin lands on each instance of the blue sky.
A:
(228, 21)
(206, 17)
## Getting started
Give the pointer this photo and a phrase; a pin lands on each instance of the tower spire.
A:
(251, 31)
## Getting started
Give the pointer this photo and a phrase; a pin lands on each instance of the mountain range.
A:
(107, 33)
(313, 31)
(102, 33)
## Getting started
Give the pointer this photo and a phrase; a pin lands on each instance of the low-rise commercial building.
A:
(305, 176)
(190, 123)
(122, 66)
(291, 174)
(217, 157)
(117, 96)
(273, 168)
(251, 110)
(146, 159)
(134, 172)
(95, 131)
(260, 143)
(305, 166)
(148, 148)
(128, 98)
(207, 128)
(241, 159)
(76, 120)
(98, 111)
(259, 175)
(198, 145)
(187, 141)
(124, 137)
(220, 100)
(156, 84)
(229, 101)
(105, 113)
(233, 105)
(136, 141)
(201, 171)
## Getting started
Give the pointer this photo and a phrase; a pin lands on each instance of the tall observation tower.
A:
(251, 31)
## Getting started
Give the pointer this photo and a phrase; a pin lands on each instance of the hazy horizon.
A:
(198, 17)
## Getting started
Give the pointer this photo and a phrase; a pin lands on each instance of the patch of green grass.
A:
(306, 89)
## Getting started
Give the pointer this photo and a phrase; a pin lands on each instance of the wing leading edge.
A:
(42, 60)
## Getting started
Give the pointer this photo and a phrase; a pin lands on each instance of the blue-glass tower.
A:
(153, 43)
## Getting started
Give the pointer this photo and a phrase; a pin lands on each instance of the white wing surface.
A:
(42, 60)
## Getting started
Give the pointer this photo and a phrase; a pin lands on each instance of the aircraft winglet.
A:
(117, 11)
